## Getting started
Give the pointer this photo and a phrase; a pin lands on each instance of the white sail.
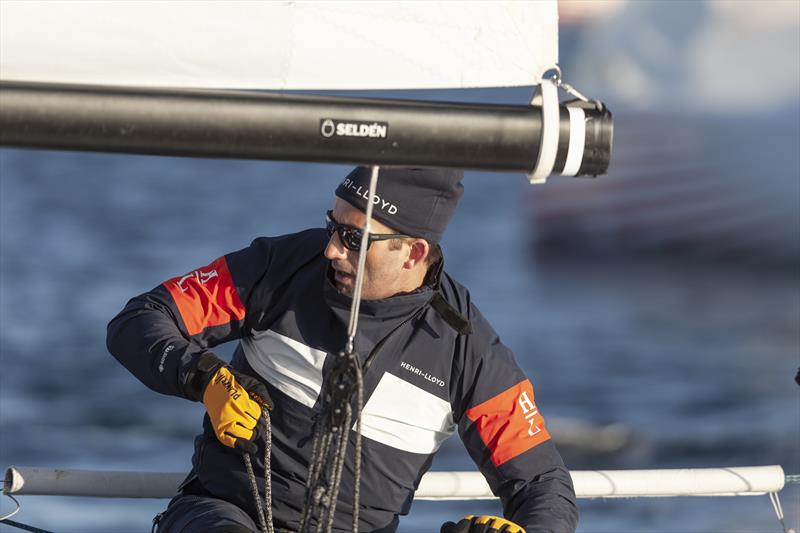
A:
(279, 45)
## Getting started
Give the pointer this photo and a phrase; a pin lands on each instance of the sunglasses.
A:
(351, 236)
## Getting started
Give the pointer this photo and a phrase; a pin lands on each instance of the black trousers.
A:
(190, 513)
(196, 511)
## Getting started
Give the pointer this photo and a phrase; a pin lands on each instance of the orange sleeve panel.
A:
(509, 423)
(206, 297)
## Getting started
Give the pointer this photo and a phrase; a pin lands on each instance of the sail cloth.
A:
(279, 45)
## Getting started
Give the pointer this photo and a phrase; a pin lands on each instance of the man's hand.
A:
(482, 524)
(234, 402)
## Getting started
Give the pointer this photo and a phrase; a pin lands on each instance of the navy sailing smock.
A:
(427, 378)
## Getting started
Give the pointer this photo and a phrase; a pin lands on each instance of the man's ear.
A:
(418, 253)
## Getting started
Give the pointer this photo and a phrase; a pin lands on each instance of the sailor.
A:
(432, 365)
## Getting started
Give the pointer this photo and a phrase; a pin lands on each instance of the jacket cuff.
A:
(200, 375)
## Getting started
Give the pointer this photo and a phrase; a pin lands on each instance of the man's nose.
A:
(335, 249)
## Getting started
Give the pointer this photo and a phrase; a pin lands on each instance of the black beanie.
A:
(418, 202)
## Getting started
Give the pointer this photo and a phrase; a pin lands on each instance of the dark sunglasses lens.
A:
(351, 238)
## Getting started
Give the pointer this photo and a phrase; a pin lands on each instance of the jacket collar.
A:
(377, 318)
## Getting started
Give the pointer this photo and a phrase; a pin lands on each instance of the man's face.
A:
(386, 271)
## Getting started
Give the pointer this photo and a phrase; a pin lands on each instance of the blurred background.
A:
(657, 309)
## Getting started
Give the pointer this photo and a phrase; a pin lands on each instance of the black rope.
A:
(329, 449)
(26, 527)
(263, 508)
(331, 433)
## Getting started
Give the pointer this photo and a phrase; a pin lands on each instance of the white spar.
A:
(732, 481)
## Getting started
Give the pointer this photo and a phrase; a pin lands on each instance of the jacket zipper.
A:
(377, 348)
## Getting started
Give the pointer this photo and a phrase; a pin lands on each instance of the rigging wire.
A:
(15, 511)
(774, 498)
(25, 527)
(335, 419)
(362, 261)
(776, 505)
(19, 525)
(331, 432)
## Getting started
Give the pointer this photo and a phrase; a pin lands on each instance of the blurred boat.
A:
(702, 187)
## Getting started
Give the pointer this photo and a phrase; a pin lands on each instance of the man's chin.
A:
(347, 290)
(345, 286)
(345, 283)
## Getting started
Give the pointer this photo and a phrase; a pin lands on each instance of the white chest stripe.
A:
(404, 416)
(290, 366)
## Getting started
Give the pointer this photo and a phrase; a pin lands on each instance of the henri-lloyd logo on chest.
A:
(330, 127)
(421, 373)
(363, 192)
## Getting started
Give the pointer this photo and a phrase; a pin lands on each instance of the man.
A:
(432, 365)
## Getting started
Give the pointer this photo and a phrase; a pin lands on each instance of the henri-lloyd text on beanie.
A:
(363, 191)
(416, 201)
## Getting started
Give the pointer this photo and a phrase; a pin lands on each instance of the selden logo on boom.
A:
(334, 127)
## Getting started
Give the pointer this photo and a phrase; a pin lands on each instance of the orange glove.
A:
(482, 524)
(234, 402)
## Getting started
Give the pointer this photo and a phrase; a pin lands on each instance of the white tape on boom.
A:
(547, 96)
(577, 141)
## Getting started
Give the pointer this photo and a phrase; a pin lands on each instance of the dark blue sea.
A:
(637, 361)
